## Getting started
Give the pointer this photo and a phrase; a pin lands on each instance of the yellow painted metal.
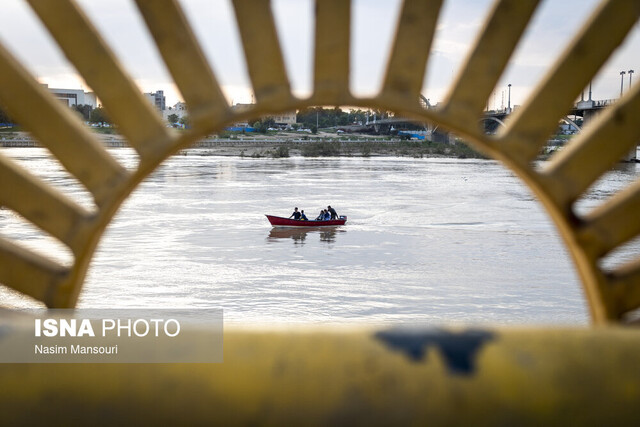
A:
(30, 273)
(593, 147)
(589, 237)
(59, 130)
(332, 49)
(624, 286)
(532, 124)
(611, 225)
(488, 58)
(364, 377)
(62, 217)
(262, 52)
(408, 61)
(185, 59)
(120, 97)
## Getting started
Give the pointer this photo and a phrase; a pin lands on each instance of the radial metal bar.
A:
(332, 41)
(29, 273)
(56, 127)
(613, 223)
(262, 51)
(538, 118)
(625, 287)
(411, 48)
(45, 207)
(121, 98)
(184, 58)
(590, 154)
(488, 58)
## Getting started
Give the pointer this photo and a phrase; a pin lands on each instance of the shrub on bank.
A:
(281, 151)
(321, 149)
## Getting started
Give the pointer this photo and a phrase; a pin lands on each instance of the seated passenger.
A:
(334, 214)
(321, 216)
(295, 214)
(327, 215)
(303, 217)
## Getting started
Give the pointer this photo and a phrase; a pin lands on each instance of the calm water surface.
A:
(427, 241)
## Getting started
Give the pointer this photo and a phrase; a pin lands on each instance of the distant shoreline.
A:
(350, 146)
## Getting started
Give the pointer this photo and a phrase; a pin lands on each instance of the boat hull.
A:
(278, 221)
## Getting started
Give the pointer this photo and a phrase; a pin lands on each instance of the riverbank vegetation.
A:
(416, 149)
(332, 117)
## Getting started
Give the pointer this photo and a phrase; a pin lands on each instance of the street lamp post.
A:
(509, 99)
(630, 74)
(622, 73)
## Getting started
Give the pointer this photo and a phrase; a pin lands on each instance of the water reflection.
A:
(299, 235)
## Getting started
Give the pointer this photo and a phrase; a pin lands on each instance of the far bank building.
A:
(71, 97)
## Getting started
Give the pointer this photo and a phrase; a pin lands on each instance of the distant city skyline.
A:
(373, 28)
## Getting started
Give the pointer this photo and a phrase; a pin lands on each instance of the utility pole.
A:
(509, 102)
(630, 74)
(622, 73)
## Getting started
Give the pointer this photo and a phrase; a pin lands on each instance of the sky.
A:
(373, 23)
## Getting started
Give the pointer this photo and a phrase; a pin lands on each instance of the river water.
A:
(428, 241)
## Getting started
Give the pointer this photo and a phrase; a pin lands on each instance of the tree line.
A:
(310, 118)
(335, 117)
(315, 118)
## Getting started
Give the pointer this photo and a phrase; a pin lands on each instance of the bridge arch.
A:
(494, 119)
(425, 101)
(572, 123)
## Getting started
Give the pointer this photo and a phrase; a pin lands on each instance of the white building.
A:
(282, 119)
(157, 98)
(72, 97)
(287, 118)
(179, 109)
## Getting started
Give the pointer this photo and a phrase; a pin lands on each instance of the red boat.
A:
(278, 221)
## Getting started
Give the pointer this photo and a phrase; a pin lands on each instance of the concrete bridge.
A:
(584, 109)
(582, 112)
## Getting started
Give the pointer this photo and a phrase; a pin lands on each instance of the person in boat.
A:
(334, 214)
(327, 215)
(321, 216)
(303, 217)
(296, 214)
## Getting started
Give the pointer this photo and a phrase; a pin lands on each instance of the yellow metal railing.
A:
(522, 377)
(563, 180)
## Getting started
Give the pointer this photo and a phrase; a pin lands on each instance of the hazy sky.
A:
(373, 29)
